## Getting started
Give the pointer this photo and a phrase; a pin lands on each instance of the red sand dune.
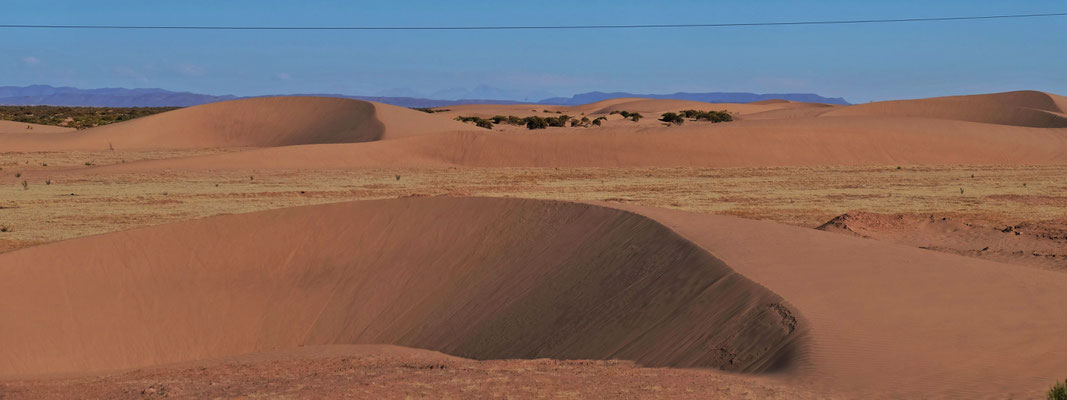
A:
(256, 122)
(799, 142)
(1022, 108)
(896, 321)
(512, 278)
(477, 278)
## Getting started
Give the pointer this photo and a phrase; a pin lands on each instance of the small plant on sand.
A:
(599, 120)
(1058, 391)
(18, 174)
(636, 117)
(25, 185)
(484, 123)
(672, 118)
(4, 229)
(559, 121)
(47, 181)
(478, 121)
(89, 163)
(536, 122)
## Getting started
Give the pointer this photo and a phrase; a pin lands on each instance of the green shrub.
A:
(499, 118)
(671, 118)
(480, 122)
(715, 116)
(1058, 391)
(536, 122)
(636, 117)
(558, 121)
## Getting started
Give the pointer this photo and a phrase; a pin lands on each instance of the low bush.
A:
(712, 116)
(672, 118)
(478, 121)
(1058, 391)
(559, 121)
(536, 122)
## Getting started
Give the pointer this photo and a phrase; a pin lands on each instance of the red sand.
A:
(511, 278)
(476, 278)
(25, 128)
(256, 122)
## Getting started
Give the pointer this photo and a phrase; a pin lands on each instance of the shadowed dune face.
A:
(478, 278)
(256, 122)
(1022, 108)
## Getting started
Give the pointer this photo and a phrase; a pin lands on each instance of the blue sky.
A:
(858, 62)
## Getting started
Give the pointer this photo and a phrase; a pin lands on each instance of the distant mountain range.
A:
(119, 97)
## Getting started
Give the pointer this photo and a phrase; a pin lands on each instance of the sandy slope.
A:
(20, 128)
(793, 142)
(897, 320)
(257, 122)
(1022, 108)
(477, 278)
(391, 372)
(492, 278)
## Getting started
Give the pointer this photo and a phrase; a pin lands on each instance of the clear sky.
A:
(858, 62)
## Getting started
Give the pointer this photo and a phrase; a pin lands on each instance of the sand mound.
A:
(1022, 108)
(477, 278)
(22, 128)
(800, 142)
(257, 122)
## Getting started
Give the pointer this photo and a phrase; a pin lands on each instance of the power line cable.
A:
(520, 27)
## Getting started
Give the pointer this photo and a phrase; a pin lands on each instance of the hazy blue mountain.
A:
(106, 97)
(119, 97)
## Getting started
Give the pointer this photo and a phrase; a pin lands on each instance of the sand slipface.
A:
(896, 321)
(472, 277)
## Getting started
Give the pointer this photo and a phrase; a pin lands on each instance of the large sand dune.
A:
(511, 278)
(795, 142)
(256, 122)
(478, 278)
(1022, 108)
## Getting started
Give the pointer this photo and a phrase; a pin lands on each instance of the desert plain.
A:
(312, 247)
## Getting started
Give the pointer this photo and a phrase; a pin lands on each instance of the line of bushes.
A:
(711, 116)
(532, 122)
(76, 117)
